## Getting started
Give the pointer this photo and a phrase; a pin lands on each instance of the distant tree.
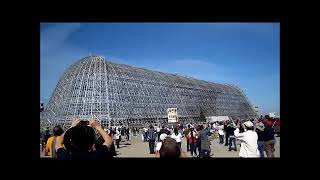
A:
(202, 117)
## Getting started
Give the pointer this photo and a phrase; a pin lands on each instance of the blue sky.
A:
(245, 54)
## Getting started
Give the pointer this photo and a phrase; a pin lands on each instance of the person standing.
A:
(232, 138)
(248, 139)
(186, 133)
(127, 133)
(43, 144)
(151, 135)
(118, 137)
(277, 127)
(122, 130)
(269, 139)
(181, 129)
(158, 133)
(198, 146)
(145, 133)
(221, 134)
(204, 142)
(177, 136)
(260, 132)
(225, 127)
(192, 139)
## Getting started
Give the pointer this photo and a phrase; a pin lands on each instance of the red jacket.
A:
(193, 140)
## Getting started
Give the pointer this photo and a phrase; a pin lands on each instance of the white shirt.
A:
(249, 143)
(220, 131)
(117, 134)
(159, 144)
(158, 129)
(176, 137)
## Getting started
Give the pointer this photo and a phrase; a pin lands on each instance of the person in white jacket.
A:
(249, 141)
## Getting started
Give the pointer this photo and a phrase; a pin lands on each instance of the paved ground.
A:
(136, 148)
(141, 149)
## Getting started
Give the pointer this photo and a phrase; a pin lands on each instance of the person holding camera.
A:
(78, 142)
(249, 141)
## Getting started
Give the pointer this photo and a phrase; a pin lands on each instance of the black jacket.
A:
(230, 131)
(269, 134)
(261, 135)
(226, 128)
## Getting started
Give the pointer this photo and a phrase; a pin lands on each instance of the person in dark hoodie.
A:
(151, 138)
(232, 139)
(269, 139)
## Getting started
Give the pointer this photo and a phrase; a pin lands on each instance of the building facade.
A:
(122, 94)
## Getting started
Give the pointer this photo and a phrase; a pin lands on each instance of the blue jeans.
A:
(193, 149)
(145, 137)
(232, 139)
(199, 149)
(261, 148)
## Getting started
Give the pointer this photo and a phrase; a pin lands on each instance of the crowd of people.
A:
(88, 139)
(256, 136)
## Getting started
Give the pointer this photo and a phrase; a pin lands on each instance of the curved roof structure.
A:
(118, 93)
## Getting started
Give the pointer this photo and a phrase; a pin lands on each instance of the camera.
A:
(84, 122)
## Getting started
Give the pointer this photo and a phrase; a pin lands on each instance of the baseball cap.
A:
(248, 124)
(163, 136)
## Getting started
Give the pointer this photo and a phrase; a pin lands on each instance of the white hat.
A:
(248, 124)
(163, 136)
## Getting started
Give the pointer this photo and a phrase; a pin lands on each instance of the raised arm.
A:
(107, 139)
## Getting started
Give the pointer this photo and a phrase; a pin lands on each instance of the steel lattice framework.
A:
(121, 94)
